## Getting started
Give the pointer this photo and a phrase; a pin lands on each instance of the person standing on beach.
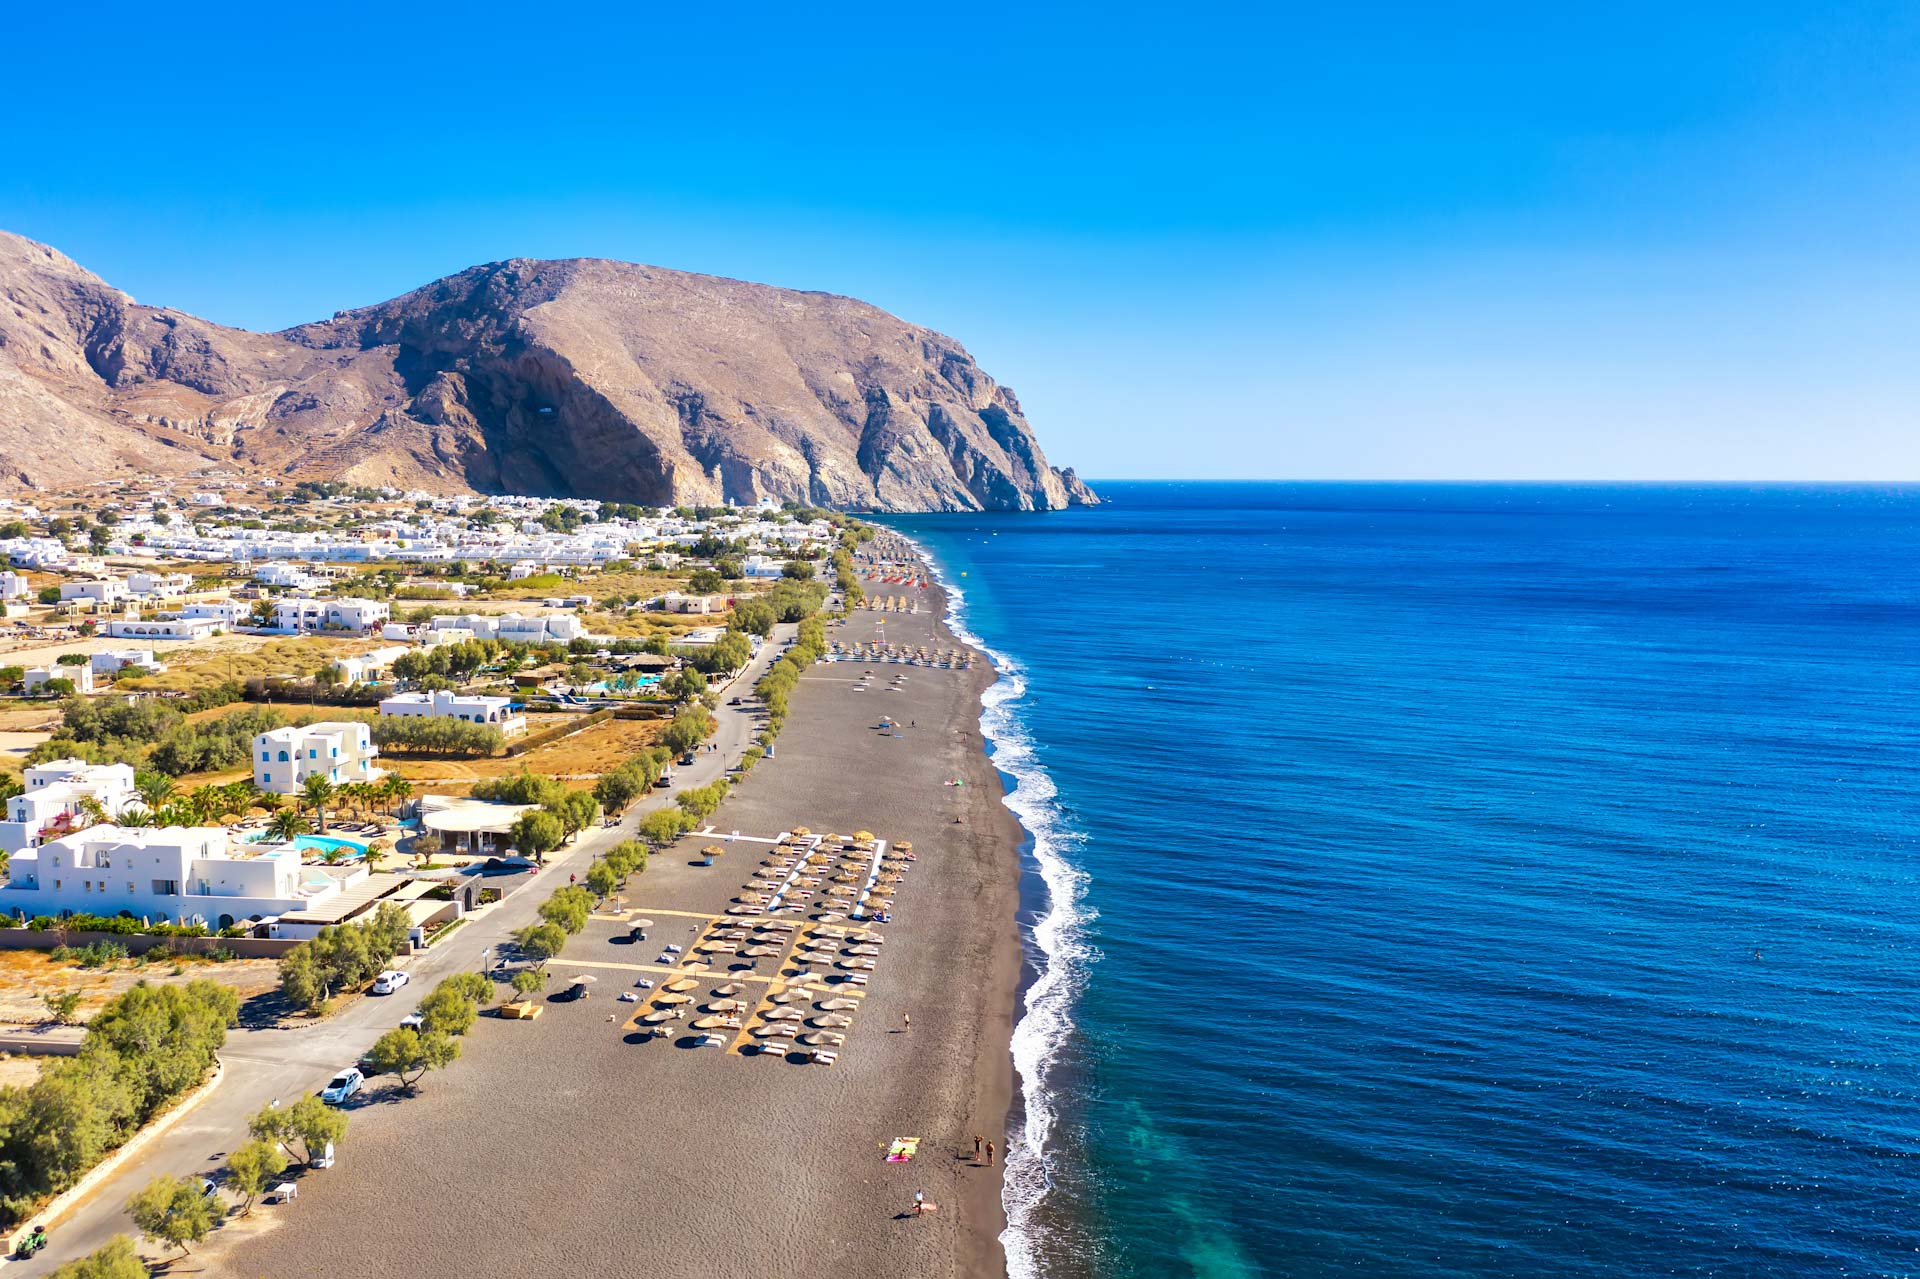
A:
(976, 1147)
(919, 1202)
(989, 1154)
(906, 1021)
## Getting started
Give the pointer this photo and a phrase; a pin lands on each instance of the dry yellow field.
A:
(579, 758)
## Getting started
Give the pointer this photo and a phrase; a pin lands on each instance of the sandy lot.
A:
(26, 975)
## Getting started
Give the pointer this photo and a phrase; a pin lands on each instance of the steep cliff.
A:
(582, 378)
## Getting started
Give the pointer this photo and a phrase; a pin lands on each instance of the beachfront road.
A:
(262, 1065)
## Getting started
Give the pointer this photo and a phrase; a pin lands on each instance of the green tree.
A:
(704, 581)
(409, 1054)
(569, 907)
(689, 728)
(252, 1168)
(474, 987)
(115, 1259)
(683, 685)
(617, 789)
(287, 825)
(537, 833)
(447, 1011)
(663, 826)
(797, 570)
(577, 810)
(602, 879)
(309, 1121)
(316, 793)
(171, 1210)
(541, 942)
(63, 1006)
(528, 982)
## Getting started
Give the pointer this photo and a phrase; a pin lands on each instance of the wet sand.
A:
(569, 1145)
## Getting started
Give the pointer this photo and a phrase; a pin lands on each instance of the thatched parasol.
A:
(838, 1004)
(833, 1019)
(673, 999)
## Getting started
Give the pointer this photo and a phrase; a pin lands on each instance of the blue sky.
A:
(1421, 241)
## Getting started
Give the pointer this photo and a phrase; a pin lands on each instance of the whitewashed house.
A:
(53, 798)
(340, 751)
(440, 704)
(40, 676)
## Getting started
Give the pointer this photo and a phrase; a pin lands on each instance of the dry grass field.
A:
(26, 975)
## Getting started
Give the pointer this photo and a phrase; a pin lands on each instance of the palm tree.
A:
(286, 824)
(207, 802)
(134, 817)
(154, 789)
(397, 790)
(317, 792)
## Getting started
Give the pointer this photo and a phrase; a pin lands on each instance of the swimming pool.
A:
(319, 844)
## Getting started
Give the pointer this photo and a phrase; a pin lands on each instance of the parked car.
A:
(343, 1086)
(686, 759)
(412, 1021)
(391, 980)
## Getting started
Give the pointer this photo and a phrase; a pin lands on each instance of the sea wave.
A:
(1058, 946)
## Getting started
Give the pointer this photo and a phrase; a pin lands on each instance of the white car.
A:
(343, 1086)
(391, 980)
(412, 1021)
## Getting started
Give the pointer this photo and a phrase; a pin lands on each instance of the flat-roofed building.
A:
(441, 704)
(341, 751)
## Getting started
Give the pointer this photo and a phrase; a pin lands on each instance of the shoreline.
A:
(718, 1163)
(1052, 954)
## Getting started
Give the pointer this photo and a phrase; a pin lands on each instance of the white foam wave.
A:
(1058, 937)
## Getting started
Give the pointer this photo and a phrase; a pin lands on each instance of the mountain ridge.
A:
(582, 377)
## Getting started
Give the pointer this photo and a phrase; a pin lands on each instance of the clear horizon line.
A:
(1093, 480)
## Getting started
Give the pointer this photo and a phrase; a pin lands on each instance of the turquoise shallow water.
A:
(1463, 880)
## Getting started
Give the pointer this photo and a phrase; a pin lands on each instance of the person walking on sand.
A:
(919, 1202)
(906, 1022)
(989, 1154)
(976, 1147)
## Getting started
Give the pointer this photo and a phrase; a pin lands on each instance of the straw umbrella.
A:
(833, 1019)
(673, 999)
(838, 1004)
(681, 984)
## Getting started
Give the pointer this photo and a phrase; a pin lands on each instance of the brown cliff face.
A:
(583, 378)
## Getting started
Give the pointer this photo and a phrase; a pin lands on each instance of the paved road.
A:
(286, 1064)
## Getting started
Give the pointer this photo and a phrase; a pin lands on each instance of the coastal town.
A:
(391, 802)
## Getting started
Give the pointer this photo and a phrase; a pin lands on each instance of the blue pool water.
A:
(1462, 880)
(322, 843)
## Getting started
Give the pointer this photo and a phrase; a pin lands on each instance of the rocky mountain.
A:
(583, 378)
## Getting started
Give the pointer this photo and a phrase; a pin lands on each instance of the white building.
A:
(179, 628)
(290, 576)
(183, 873)
(371, 667)
(106, 590)
(440, 704)
(39, 676)
(53, 795)
(111, 663)
(675, 602)
(159, 585)
(357, 614)
(340, 751)
(301, 614)
(226, 612)
(13, 586)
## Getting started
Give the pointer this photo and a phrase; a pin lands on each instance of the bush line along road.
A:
(262, 1065)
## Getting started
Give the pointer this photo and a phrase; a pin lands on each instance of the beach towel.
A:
(903, 1149)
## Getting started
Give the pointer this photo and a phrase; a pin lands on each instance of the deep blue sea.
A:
(1462, 880)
